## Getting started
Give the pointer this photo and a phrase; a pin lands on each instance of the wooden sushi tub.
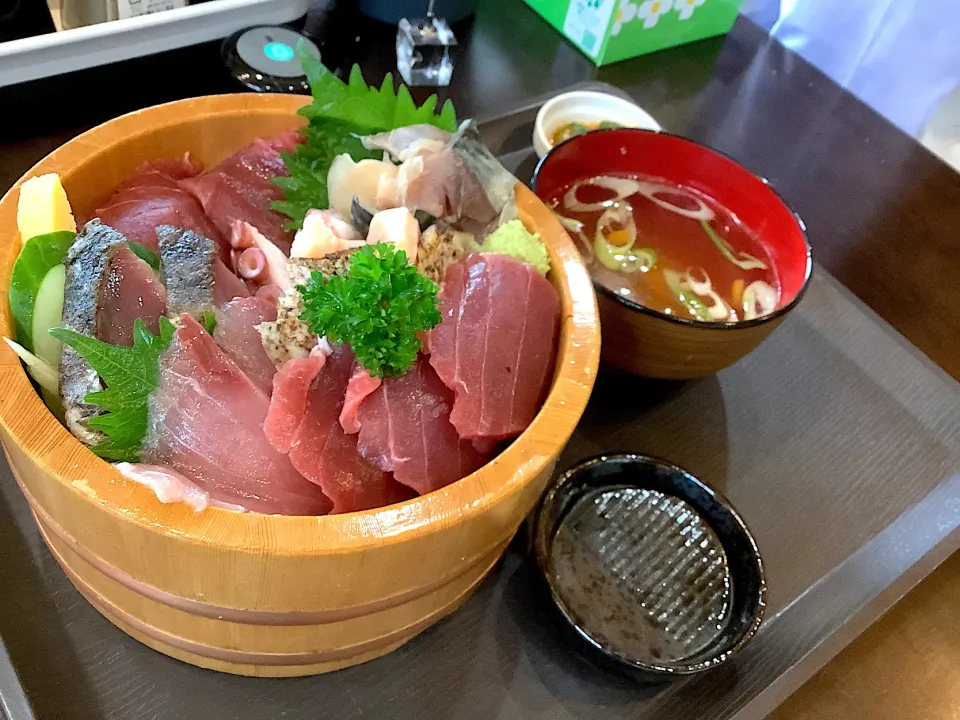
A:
(257, 594)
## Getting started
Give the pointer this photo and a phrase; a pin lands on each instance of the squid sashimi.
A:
(496, 344)
(405, 428)
(237, 335)
(308, 396)
(206, 422)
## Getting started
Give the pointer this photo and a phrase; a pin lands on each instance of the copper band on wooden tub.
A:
(47, 525)
(124, 620)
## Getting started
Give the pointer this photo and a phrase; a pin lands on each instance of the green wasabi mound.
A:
(513, 239)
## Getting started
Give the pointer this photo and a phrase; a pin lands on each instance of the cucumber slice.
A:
(39, 255)
(47, 312)
(52, 401)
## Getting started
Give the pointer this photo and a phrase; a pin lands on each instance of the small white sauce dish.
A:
(586, 106)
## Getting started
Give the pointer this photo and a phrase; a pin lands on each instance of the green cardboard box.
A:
(611, 30)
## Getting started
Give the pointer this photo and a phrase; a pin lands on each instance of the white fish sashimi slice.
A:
(170, 486)
(324, 232)
(462, 184)
(347, 178)
(407, 142)
(498, 184)
(398, 227)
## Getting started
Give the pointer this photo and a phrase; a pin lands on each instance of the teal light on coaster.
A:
(281, 52)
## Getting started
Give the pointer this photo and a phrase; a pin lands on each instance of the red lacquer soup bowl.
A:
(644, 341)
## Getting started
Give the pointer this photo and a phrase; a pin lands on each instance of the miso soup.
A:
(669, 248)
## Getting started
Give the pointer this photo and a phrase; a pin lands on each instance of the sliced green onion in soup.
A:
(644, 259)
(759, 299)
(745, 261)
(571, 224)
(694, 293)
(580, 239)
(686, 296)
(623, 259)
(622, 188)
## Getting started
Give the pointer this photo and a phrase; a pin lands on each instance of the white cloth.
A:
(901, 57)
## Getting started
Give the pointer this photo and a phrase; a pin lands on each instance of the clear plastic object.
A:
(425, 51)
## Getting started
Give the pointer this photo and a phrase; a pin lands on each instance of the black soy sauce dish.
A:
(650, 571)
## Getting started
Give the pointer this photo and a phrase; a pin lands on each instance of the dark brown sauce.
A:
(641, 574)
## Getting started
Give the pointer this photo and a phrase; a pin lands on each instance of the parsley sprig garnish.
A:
(338, 116)
(130, 375)
(377, 308)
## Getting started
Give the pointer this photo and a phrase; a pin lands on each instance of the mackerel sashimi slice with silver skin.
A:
(496, 344)
(405, 428)
(131, 291)
(459, 182)
(206, 422)
(99, 265)
(136, 212)
(195, 276)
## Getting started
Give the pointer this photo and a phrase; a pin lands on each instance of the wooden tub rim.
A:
(29, 425)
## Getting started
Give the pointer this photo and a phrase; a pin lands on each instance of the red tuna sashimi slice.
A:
(237, 335)
(206, 422)
(148, 178)
(254, 166)
(176, 168)
(360, 385)
(405, 428)
(306, 402)
(288, 403)
(137, 220)
(152, 192)
(324, 453)
(240, 188)
(131, 291)
(226, 285)
(286, 141)
(496, 345)
(223, 200)
(352, 483)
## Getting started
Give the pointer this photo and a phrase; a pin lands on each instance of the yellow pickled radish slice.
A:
(43, 208)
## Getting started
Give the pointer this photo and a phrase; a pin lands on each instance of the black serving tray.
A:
(838, 443)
